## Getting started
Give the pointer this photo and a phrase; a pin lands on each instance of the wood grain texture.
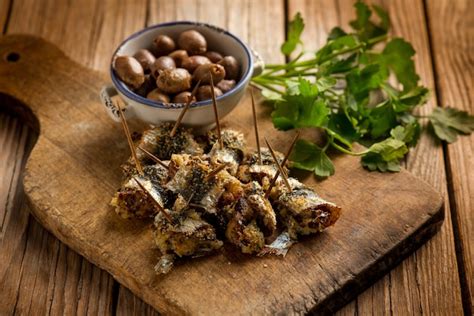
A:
(4, 10)
(320, 272)
(425, 282)
(87, 31)
(38, 273)
(70, 284)
(452, 37)
(259, 23)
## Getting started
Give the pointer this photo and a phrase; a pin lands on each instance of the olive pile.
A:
(169, 71)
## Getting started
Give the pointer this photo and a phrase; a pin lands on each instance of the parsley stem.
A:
(268, 81)
(349, 152)
(328, 143)
(315, 61)
(293, 61)
(269, 87)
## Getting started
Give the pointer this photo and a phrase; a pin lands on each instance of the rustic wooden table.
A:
(39, 275)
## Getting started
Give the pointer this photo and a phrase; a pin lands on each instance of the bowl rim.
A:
(170, 106)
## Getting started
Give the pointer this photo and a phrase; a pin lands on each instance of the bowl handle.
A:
(106, 94)
(258, 63)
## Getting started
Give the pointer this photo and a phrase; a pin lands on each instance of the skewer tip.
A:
(255, 126)
(160, 208)
(216, 115)
(184, 110)
(280, 168)
(153, 157)
(129, 137)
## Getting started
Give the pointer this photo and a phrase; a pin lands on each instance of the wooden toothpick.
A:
(153, 157)
(280, 168)
(185, 109)
(255, 126)
(189, 199)
(216, 115)
(160, 208)
(129, 138)
(196, 205)
(287, 155)
(215, 171)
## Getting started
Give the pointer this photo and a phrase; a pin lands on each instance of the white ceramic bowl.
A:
(200, 114)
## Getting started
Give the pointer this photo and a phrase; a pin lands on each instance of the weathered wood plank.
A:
(4, 8)
(452, 37)
(252, 21)
(67, 282)
(428, 280)
(38, 274)
(259, 23)
(87, 31)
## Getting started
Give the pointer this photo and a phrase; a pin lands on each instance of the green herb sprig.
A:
(361, 87)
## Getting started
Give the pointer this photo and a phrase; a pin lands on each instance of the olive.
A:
(202, 73)
(226, 85)
(231, 66)
(205, 92)
(145, 58)
(174, 80)
(213, 56)
(147, 86)
(192, 62)
(158, 96)
(164, 45)
(162, 63)
(129, 70)
(193, 42)
(183, 97)
(179, 56)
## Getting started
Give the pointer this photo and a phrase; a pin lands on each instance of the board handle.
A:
(107, 95)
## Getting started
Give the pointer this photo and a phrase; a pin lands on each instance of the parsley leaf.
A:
(336, 33)
(409, 134)
(448, 123)
(382, 118)
(295, 28)
(361, 81)
(409, 100)
(339, 44)
(361, 86)
(385, 155)
(363, 14)
(297, 111)
(397, 56)
(366, 28)
(301, 108)
(308, 156)
(343, 129)
(383, 15)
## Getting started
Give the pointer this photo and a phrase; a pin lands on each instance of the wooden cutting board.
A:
(74, 170)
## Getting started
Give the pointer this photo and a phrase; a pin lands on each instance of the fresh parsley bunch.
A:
(359, 87)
